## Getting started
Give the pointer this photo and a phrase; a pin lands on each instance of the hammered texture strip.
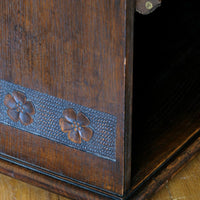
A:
(48, 112)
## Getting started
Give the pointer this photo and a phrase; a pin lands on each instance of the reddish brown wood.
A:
(159, 179)
(63, 188)
(82, 51)
(75, 50)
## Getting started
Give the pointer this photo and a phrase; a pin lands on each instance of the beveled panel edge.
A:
(52, 182)
(40, 114)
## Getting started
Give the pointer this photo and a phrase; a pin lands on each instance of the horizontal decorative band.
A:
(58, 120)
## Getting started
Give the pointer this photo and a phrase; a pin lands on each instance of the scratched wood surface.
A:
(184, 186)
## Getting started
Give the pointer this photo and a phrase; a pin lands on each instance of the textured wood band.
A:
(41, 114)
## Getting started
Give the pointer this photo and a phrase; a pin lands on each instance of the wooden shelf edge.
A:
(38, 178)
(168, 171)
(74, 190)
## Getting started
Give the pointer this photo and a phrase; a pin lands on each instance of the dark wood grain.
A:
(74, 50)
(128, 93)
(82, 51)
(166, 86)
(173, 167)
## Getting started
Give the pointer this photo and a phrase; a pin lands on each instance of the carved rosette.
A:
(19, 108)
(76, 126)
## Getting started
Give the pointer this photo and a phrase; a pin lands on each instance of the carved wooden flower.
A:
(76, 125)
(19, 108)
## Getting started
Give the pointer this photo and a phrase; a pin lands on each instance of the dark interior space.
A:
(166, 83)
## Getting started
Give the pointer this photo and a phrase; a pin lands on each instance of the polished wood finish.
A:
(82, 51)
(184, 185)
(167, 171)
(79, 51)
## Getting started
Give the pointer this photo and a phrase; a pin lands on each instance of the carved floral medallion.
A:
(76, 125)
(19, 108)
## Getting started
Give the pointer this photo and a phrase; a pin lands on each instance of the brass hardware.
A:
(148, 5)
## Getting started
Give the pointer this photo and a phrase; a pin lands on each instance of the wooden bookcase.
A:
(80, 116)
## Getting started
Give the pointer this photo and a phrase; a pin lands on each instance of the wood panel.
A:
(73, 50)
(184, 185)
(81, 51)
